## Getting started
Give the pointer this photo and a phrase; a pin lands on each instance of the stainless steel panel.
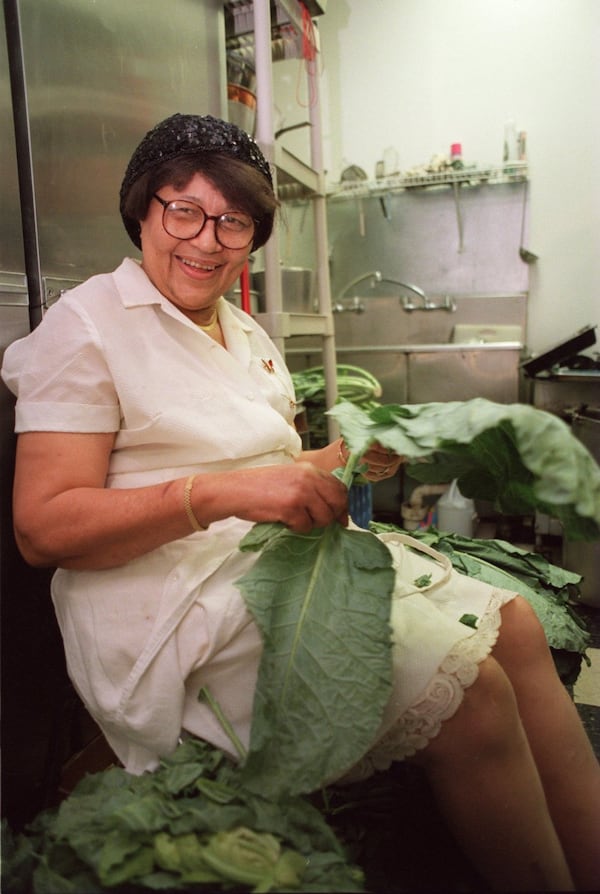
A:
(418, 240)
(384, 322)
(98, 75)
(390, 368)
(13, 291)
(11, 235)
(14, 323)
(418, 374)
(556, 394)
(463, 375)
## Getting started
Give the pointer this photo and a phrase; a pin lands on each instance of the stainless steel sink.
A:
(418, 358)
(486, 333)
(442, 347)
(421, 373)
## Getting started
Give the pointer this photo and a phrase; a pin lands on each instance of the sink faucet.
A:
(375, 275)
(409, 304)
(356, 305)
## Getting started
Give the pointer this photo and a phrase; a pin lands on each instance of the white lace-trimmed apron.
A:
(435, 655)
(208, 639)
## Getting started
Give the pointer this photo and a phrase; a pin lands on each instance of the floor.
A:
(586, 692)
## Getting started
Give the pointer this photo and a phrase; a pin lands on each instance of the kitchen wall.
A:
(418, 75)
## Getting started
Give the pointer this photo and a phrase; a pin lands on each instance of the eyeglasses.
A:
(183, 219)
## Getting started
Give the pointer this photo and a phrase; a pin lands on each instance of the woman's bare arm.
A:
(65, 516)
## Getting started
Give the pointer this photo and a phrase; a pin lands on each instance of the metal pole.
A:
(322, 245)
(16, 65)
(266, 140)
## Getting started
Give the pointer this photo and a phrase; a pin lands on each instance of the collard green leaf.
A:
(46, 880)
(561, 629)
(322, 603)
(123, 859)
(534, 569)
(514, 455)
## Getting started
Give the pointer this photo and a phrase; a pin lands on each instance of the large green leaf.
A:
(514, 455)
(322, 603)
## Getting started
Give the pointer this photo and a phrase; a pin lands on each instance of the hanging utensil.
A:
(528, 256)
(459, 221)
(361, 218)
(354, 174)
(384, 203)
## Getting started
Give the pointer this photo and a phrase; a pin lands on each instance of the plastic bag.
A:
(455, 512)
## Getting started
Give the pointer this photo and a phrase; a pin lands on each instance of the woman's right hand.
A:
(298, 494)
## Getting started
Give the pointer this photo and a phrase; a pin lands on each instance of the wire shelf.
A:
(511, 172)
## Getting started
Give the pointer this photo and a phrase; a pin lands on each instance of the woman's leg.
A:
(565, 760)
(486, 783)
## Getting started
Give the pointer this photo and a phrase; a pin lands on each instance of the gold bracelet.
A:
(343, 459)
(187, 505)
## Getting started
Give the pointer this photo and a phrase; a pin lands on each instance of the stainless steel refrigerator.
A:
(81, 81)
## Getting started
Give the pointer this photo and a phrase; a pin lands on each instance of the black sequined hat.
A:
(187, 135)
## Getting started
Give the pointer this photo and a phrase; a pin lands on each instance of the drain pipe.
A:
(414, 511)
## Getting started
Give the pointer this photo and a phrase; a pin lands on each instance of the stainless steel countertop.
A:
(435, 348)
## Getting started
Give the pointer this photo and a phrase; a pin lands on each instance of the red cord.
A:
(309, 54)
(309, 51)
(245, 288)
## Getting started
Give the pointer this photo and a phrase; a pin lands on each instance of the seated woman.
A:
(156, 425)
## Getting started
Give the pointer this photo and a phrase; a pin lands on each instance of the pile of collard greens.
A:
(190, 825)
(322, 603)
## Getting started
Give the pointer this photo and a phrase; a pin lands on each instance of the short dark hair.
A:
(244, 187)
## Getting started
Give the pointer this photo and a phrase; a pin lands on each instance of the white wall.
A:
(420, 74)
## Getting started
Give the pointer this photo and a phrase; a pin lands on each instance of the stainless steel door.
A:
(95, 77)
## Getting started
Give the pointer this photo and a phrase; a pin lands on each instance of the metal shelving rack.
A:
(307, 179)
(510, 172)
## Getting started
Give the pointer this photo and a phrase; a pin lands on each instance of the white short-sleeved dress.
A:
(113, 355)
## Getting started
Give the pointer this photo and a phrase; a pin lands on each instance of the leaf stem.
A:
(350, 469)
(226, 726)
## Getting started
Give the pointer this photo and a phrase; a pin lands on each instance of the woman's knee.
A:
(486, 722)
(521, 640)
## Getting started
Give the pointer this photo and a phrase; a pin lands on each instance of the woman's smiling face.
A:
(191, 273)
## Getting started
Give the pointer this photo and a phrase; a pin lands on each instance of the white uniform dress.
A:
(113, 355)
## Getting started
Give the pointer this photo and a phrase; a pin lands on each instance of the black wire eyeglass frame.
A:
(217, 218)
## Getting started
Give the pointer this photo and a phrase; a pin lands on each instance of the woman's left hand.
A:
(381, 463)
